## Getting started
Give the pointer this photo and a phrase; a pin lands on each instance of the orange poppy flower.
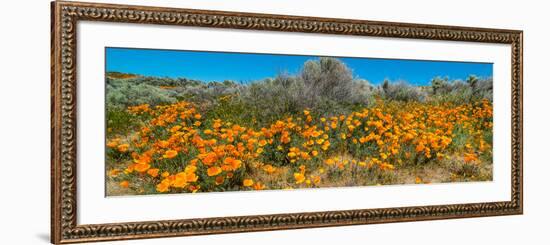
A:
(153, 172)
(180, 180)
(420, 147)
(194, 188)
(114, 172)
(316, 180)
(163, 186)
(123, 147)
(213, 171)
(248, 182)
(210, 158)
(163, 143)
(190, 169)
(269, 169)
(470, 157)
(130, 169)
(314, 153)
(386, 166)
(170, 154)
(299, 177)
(192, 177)
(219, 180)
(234, 163)
(262, 142)
(258, 186)
(124, 184)
(112, 143)
(141, 167)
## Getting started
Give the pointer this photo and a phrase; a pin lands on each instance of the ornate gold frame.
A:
(65, 16)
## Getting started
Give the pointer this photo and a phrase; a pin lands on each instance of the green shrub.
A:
(402, 91)
(325, 86)
(120, 121)
(459, 91)
(123, 93)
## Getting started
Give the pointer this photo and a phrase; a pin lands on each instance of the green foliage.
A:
(438, 83)
(206, 93)
(458, 91)
(269, 99)
(119, 121)
(325, 86)
(122, 93)
(326, 78)
(228, 109)
(401, 91)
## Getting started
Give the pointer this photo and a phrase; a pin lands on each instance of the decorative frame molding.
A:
(65, 16)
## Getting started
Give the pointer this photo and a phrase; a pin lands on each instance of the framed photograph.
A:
(175, 122)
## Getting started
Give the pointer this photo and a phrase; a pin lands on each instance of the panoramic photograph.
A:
(199, 121)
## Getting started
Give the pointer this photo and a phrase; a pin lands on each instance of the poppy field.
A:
(319, 128)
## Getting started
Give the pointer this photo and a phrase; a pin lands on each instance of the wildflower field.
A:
(319, 128)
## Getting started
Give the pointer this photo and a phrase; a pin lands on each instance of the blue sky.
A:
(246, 67)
